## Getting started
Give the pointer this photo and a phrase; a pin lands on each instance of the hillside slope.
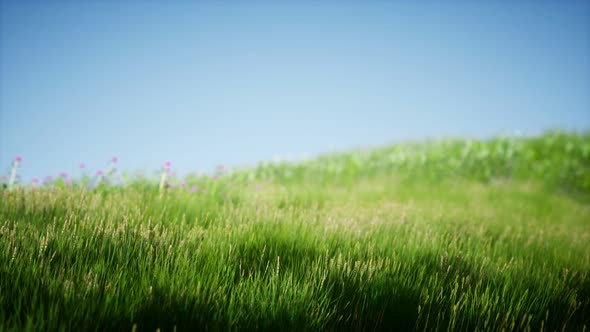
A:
(453, 235)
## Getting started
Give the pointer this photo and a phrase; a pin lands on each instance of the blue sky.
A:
(202, 84)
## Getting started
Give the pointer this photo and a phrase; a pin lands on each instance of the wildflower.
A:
(163, 182)
(183, 185)
(63, 175)
(98, 178)
(81, 166)
(258, 187)
(35, 181)
(221, 168)
(194, 189)
(15, 163)
(111, 167)
(47, 180)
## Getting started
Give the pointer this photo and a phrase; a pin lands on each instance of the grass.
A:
(454, 235)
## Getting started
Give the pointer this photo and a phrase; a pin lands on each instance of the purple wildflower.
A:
(194, 189)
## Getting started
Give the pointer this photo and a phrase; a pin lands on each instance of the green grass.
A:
(455, 235)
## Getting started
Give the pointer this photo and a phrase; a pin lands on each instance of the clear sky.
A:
(204, 83)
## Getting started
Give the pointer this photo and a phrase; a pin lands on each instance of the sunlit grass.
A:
(351, 241)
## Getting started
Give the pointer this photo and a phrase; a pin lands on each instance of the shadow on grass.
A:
(383, 302)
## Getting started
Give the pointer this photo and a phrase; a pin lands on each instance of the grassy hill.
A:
(439, 235)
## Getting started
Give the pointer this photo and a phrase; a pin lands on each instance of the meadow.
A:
(439, 235)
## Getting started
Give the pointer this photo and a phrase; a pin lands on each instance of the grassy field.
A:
(442, 235)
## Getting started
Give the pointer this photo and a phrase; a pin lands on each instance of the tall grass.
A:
(357, 241)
